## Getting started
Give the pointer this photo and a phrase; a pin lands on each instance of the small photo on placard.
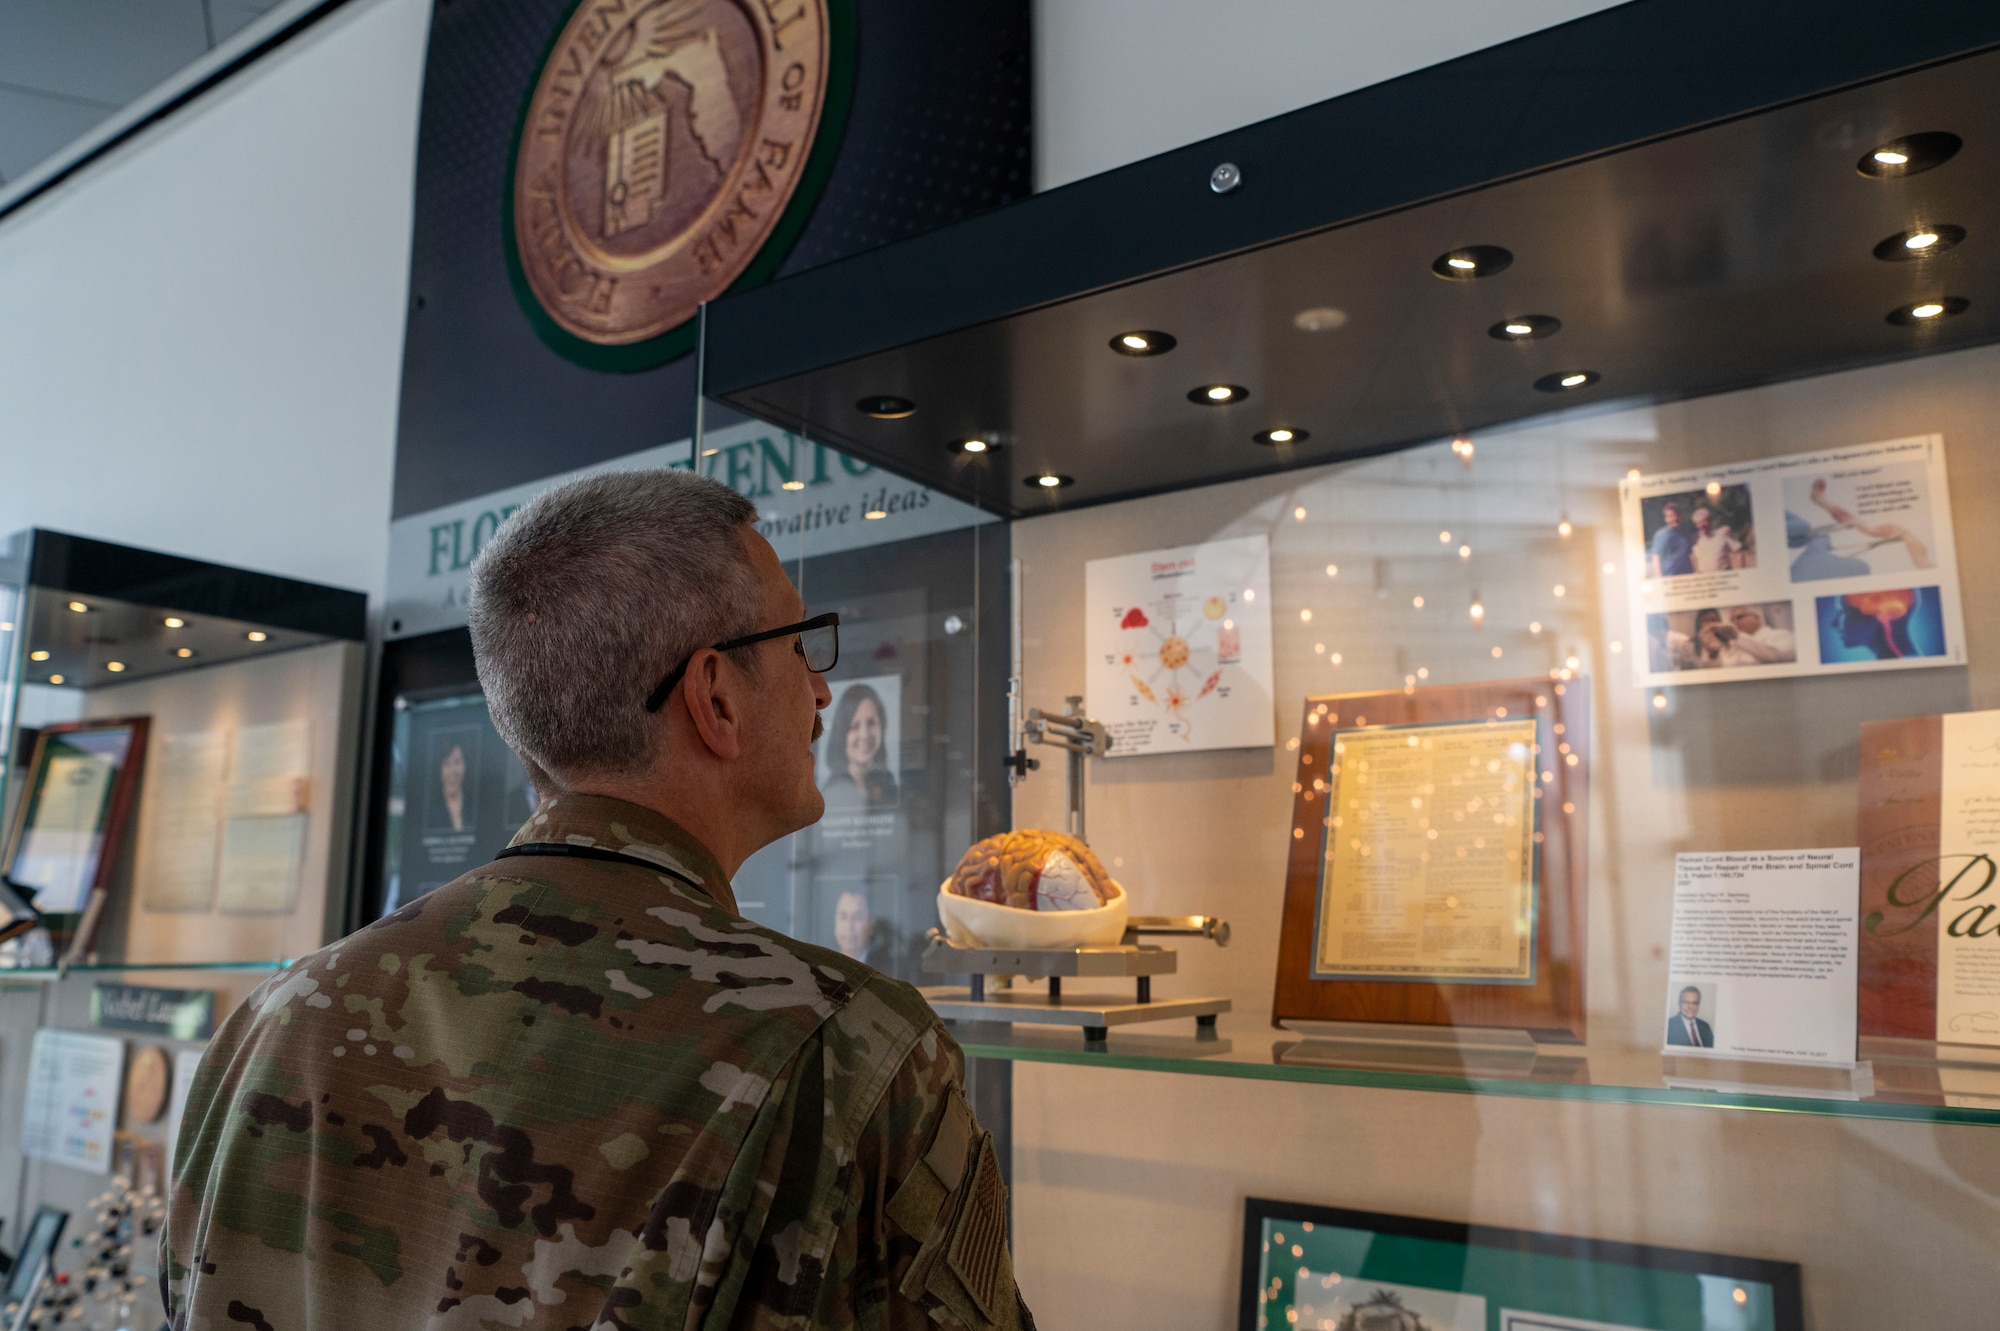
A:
(1704, 530)
(1856, 522)
(1892, 625)
(1722, 637)
(1691, 1023)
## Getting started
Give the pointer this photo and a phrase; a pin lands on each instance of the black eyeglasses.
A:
(818, 642)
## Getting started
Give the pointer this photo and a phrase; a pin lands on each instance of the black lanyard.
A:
(563, 850)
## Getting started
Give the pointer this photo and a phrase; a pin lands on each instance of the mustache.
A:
(819, 727)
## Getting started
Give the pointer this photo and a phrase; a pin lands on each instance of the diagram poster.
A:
(1813, 564)
(72, 1110)
(1179, 646)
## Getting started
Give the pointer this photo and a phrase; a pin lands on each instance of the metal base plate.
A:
(1118, 961)
(1091, 1011)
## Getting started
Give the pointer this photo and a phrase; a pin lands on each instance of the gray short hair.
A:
(590, 594)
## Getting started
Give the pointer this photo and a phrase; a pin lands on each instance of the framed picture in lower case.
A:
(1318, 1268)
(1436, 870)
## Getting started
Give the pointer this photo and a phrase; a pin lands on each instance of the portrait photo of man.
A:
(1686, 1028)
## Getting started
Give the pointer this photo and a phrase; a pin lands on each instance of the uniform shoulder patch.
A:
(978, 1253)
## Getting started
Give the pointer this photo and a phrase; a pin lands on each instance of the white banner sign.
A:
(811, 499)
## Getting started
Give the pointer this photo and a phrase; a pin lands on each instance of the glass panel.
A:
(909, 762)
(1709, 645)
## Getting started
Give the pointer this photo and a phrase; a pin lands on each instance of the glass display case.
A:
(1520, 593)
(182, 741)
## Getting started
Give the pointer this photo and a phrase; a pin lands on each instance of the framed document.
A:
(1436, 854)
(1319, 1266)
(82, 779)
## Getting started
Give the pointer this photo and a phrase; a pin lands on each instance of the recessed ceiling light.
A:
(1525, 328)
(55, 679)
(174, 622)
(1471, 262)
(1567, 381)
(1919, 242)
(1283, 434)
(1909, 155)
(1927, 311)
(78, 607)
(791, 485)
(1049, 480)
(1218, 395)
(1143, 342)
(885, 407)
(38, 656)
(256, 635)
(184, 652)
(114, 666)
(974, 445)
(1319, 319)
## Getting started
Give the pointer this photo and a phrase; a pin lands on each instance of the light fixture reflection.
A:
(114, 667)
(1564, 529)
(174, 622)
(38, 656)
(1218, 395)
(792, 485)
(184, 652)
(876, 514)
(1143, 342)
(1049, 480)
(55, 679)
(1929, 310)
(78, 607)
(256, 635)
(972, 446)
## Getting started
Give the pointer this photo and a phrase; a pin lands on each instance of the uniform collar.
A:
(629, 829)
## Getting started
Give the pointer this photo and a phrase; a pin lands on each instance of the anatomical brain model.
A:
(1031, 870)
(1031, 889)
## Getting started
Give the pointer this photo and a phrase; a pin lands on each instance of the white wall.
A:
(1118, 80)
(201, 336)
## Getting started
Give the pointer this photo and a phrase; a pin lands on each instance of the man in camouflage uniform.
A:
(576, 1088)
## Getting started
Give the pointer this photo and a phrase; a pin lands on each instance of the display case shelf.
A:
(1246, 1046)
(45, 974)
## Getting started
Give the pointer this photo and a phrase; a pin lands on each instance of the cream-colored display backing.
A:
(1754, 765)
(291, 709)
(1429, 867)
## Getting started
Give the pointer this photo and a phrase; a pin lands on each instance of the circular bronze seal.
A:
(661, 145)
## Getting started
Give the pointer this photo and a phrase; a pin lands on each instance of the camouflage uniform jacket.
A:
(575, 1088)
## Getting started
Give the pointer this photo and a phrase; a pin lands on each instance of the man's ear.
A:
(711, 693)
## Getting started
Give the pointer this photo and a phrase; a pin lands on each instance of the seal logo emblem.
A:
(659, 149)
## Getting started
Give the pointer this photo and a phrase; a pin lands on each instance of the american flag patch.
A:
(978, 1253)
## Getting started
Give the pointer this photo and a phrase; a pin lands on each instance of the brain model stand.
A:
(1041, 906)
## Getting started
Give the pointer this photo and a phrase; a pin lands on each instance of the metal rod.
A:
(700, 387)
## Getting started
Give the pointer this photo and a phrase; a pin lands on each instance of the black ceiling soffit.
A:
(1676, 186)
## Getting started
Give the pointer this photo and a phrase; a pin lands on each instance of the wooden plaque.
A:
(1546, 996)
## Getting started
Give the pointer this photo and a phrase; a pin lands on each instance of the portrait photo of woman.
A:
(858, 762)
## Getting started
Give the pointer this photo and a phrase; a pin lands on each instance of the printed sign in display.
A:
(1817, 563)
(1179, 647)
(1763, 962)
(72, 1109)
(174, 1014)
